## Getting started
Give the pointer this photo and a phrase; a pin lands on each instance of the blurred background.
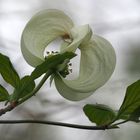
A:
(116, 20)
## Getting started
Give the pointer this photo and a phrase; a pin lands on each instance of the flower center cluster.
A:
(64, 68)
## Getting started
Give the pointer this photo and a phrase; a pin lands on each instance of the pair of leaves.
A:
(26, 85)
(10, 75)
(129, 110)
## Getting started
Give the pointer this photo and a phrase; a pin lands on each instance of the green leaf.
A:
(51, 62)
(26, 86)
(99, 114)
(8, 72)
(3, 94)
(131, 101)
(135, 115)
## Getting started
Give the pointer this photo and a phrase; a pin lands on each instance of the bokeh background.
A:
(116, 20)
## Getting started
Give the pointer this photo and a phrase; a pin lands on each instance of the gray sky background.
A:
(116, 20)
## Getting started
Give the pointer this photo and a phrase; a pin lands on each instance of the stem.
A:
(120, 122)
(49, 72)
(15, 104)
(58, 124)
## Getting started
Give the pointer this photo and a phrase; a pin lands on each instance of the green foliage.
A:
(22, 86)
(129, 110)
(26, 85)
(131, 104)
(8, 72)
(3, 94)
(99, 114)
(135, 115)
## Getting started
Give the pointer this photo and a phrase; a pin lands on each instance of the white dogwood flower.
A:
(97, 60)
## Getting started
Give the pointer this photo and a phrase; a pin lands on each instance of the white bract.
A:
(97, 60)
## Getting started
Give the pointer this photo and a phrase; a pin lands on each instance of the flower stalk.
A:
(76, 126)
(14, 104)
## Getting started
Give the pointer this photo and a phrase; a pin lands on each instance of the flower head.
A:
(97, 61)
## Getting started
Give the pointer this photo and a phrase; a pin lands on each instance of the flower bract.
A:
(97, 60)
